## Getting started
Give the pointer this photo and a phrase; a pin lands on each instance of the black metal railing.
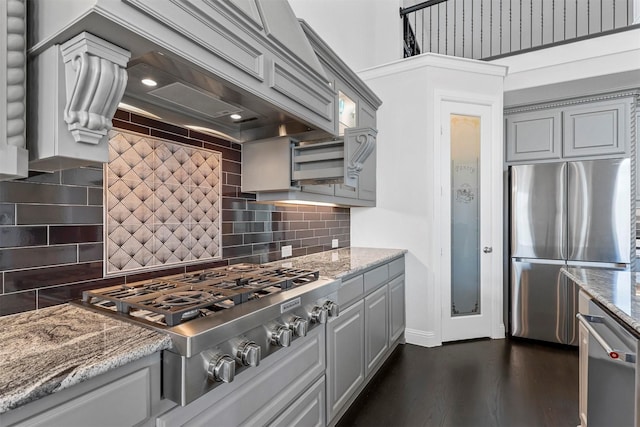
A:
(486, 29)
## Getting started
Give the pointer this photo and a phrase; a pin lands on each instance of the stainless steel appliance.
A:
(564, 214)
(222, 321)
(611, 370)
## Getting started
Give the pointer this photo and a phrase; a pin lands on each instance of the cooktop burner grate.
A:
(174, 299)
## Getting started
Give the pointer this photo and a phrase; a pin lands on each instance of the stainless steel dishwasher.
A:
(612, 350)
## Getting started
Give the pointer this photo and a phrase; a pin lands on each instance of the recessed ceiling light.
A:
(149, 82)
(236, 116)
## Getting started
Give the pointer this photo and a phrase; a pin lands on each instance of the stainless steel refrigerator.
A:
(570, 213)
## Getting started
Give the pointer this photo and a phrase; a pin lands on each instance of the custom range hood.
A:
(241, 69)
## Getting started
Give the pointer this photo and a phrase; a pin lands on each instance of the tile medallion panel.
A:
(162, 203)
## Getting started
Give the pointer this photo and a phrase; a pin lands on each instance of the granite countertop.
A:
(618, 291)
(51, 349)
(341, 263)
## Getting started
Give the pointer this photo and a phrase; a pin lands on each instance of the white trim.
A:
(421, 338)
(434, 60)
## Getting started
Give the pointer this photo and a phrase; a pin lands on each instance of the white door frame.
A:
(440, 271)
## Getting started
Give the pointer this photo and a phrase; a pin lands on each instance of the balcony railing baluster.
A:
(486, 29)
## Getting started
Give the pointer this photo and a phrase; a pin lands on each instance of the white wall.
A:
(363, 33)
(406, 215)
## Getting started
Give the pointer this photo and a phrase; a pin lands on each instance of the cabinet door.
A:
(376, 331)
(345, 357)
(595, 129)
(396, 308)
(533, 136)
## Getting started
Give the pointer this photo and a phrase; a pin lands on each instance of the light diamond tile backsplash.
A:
(163, 203)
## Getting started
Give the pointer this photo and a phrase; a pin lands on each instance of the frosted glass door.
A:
(465, 215)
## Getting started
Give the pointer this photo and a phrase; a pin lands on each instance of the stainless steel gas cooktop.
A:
(222, 321)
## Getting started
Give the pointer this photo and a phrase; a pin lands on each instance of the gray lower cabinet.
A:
(396, 308)
(370, 325)
(376, 331)
(126, 396)
(345, 349)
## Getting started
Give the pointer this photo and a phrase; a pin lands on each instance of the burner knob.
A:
(299, 326)
(332, 308)
(319, 314)
(222, 368)
(249, 353)
(281, 336)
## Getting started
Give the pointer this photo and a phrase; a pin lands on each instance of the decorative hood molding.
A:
(240, 68)
(13, 155)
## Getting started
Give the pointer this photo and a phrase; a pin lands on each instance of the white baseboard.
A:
(501, 333)
(421, 338)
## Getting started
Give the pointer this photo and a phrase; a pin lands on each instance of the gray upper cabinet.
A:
(600, 128)
(579, 129)
(534, 136)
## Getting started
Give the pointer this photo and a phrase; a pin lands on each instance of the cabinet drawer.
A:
(307, 410)
(396, 267)
(123, 402)
(350, 291)
(376, 277)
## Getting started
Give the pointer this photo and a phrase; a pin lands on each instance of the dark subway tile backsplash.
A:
(53, 214)
(59, 234)
(16, 303)
(27, 192)
(51, 226)
(22, 236)
(17, 258)
(7, 214)
(20, 280)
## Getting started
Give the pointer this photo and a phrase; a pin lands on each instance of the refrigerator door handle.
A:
(540, 261)
(586, 320)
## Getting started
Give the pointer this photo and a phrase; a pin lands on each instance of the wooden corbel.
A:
(359, 143)
(96, 77)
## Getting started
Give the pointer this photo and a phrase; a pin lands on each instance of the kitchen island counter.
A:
(343, 263)
(51, 349)
(618, 291)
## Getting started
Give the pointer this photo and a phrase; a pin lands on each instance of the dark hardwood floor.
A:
(508, 382)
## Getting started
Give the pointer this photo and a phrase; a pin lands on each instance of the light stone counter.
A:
(618, 291)
(342, 263)
(51, 349)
